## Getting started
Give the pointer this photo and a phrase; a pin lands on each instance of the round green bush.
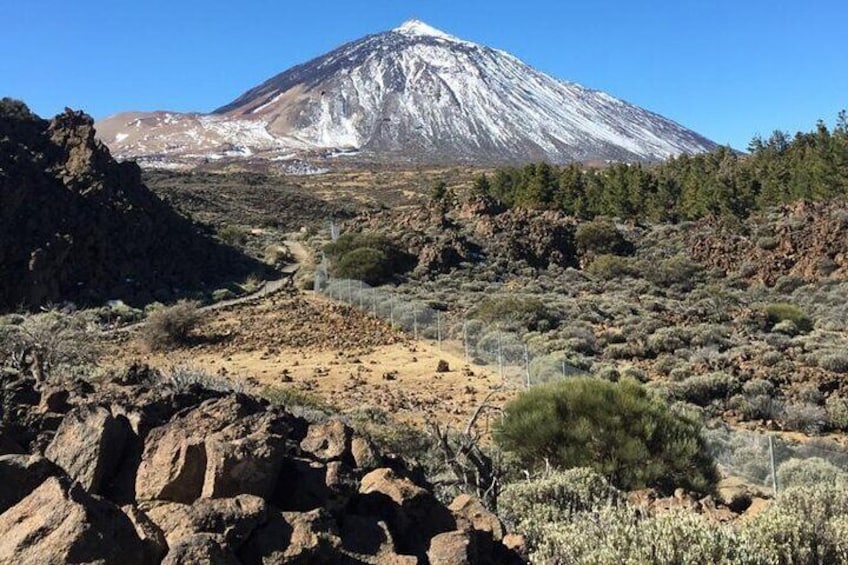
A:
(783, 311)
(601, 236)
(365, 264)
(809, 472)
(618, 429)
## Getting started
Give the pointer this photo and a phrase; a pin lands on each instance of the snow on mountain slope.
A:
(413, 93)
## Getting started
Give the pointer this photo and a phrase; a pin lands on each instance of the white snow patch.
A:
(418, 28)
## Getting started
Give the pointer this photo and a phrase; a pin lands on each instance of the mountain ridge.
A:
(412, 93)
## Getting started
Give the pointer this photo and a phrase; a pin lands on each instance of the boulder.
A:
(89, 445)
(470, 514)
(223, 448)
(148, 532)
(370, 541)
(173, 466)
(55, 400)
(413, 514)
(328, 441)
(302, 485)
(229, 521)
(516, 544)
(8, 446)
(197, 549)
(60, 523)
(364, 454)
(451, 548)
(20, 475)
(244, 458)
(295, 537)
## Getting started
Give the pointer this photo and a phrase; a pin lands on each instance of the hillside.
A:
(76, 225)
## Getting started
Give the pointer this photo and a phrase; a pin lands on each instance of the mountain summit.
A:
(414, 93)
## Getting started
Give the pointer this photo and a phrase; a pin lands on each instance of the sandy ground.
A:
(339, 355)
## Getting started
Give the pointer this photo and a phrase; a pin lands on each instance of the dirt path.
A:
(267, 288)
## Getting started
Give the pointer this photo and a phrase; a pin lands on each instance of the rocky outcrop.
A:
(137, 471)
(20, 475)
(59, 522)
(88, 445)
(76, 225)
(807, 240)
(476, 231)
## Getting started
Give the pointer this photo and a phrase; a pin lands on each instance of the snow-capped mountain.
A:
(413, 93)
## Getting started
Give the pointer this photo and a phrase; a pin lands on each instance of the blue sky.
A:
(727, 69)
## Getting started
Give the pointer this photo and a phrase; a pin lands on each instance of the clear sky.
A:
(727, 69)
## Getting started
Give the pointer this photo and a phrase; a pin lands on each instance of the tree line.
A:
(777, 170)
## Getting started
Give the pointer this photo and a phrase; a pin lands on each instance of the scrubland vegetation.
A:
(652, 344)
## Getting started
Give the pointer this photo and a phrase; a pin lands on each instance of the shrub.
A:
(678, 271)
(835, 362)
(669, 340)
(513, 310)
(52, 344)
(756, 387)
(768, 243)
(809, 472)
(782, 311)
(837, 412)
(369, 257)
(617, 429)
(623, 534)
(703, 389)
(803, 526)
(798, 527)
(805, 417)
(601, 237)
(221, 294)
(365, 264)
(185, 377)
(610, 267)
(278, 255)
(233, 235)
(171, 327)
(557, 497)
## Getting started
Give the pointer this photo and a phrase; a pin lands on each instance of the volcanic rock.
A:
(76, 225)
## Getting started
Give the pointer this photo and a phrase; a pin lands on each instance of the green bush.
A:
(835, 362)
(799, 527)
(171, 327)
(703, 389)
(617, 429)
(810, 472)
(678, 271)
(513, 311)
(601, 237)
(369, 257)
(837, 412)
(233, 235)
(365, 264)
(783, 311)
(610, 267)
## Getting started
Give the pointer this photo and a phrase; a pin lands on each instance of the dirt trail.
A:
(266, 289)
